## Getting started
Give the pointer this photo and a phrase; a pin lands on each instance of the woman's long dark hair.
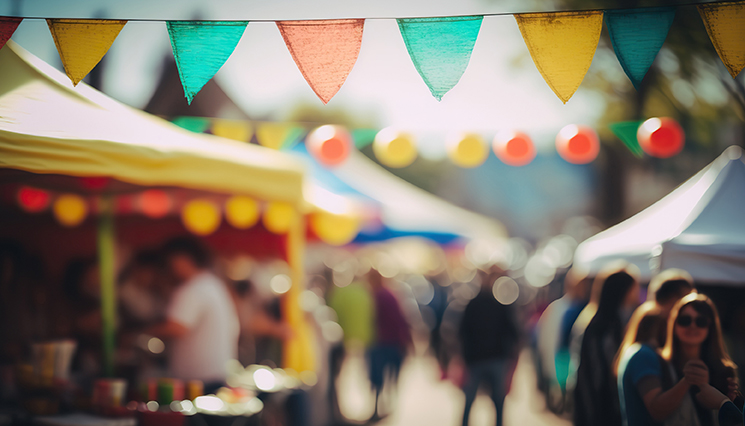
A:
(613, 293)
(713, 352)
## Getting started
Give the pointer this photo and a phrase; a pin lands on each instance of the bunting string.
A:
(686, 4)
(561, 44)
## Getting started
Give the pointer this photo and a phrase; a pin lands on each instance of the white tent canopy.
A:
(699, 227)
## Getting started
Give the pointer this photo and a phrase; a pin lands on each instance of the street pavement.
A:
(424, 399)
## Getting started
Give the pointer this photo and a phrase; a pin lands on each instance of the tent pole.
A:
(298, 349)
(105, 245)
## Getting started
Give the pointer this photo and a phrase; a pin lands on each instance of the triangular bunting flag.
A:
(440, 48)
(192, 124)
(82, 43)
(201, 48)
(324, 51)
(725, 23)
(562, 45)
(626, 131)
(294, 136)
(7, 28)
(363, 137)
(232, 129)
(278, 135)
(637, 35)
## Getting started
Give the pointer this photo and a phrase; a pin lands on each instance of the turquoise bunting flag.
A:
(440, 48)
(201, 48)
(363, 137)
(637, 35)
(192, 124)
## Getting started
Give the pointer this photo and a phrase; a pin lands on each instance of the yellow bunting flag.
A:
(82, 43)
(276, 135)
(232, 129)
(725, 23)
(562, 45)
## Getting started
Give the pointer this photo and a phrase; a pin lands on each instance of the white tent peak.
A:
(697, 225)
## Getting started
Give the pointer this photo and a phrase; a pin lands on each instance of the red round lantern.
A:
(577, 144)
(155, 203)
(329, 145)
(33, 200)
(661, 137)
(514, 148)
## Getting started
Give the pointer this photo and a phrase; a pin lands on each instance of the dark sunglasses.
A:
(687, 320)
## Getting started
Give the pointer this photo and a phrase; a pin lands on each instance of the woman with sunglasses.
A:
(694, 335)
(642, 374)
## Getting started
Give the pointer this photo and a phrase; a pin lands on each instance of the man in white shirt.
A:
(201, 325)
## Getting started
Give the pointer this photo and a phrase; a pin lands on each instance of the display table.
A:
(82, 419)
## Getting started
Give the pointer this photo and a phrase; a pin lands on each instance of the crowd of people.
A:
(606, 358)
(664, 361)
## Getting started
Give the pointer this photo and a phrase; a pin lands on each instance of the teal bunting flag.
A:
(294, 136)
(201, 48)
(637, 35)
(626, 131)
(440, 48)
(192, 124)
(363, 137)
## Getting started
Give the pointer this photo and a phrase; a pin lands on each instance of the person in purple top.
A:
(392, 339)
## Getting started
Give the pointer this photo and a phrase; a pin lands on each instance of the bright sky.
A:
(262, 78)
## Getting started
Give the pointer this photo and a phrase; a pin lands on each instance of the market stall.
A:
(94, 157)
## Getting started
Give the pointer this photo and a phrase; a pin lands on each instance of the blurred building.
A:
(169, 101)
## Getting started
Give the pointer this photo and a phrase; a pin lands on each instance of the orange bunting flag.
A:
(725, 23)
(7, 28)
(562, 45)
(324, 51)
(82, 43)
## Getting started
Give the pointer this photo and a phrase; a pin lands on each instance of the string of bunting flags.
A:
(330, 145)
(561, 44)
